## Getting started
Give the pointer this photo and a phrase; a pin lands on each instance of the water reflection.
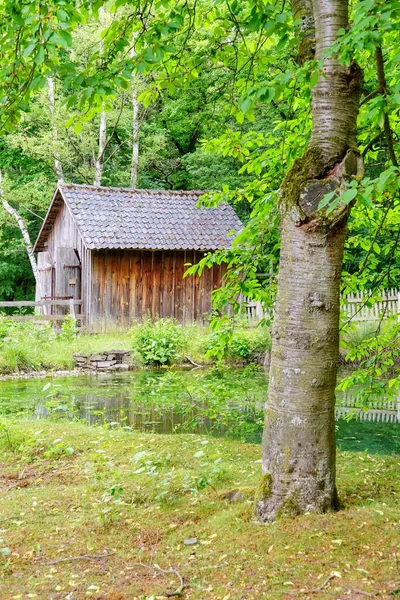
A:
(219, 402)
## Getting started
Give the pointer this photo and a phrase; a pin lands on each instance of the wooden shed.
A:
(123, 252)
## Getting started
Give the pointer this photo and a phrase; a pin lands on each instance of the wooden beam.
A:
(41, 317)
(20, 303)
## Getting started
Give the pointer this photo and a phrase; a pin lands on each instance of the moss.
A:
(264, 488)
(289, 508)
(310, 166)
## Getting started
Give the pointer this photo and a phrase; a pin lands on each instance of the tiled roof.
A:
(143, 219)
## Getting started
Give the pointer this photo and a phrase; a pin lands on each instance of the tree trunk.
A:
(99, 161)
(135, 136)
(102, 146)
(299, 433)
(52, 107)
(135, 123)
(25, 234)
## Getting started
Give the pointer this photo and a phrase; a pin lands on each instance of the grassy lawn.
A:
(90, 512)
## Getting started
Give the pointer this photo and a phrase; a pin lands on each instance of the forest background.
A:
(232, 120)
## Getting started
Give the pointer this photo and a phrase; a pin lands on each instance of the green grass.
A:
(69, 490)
(26, 347)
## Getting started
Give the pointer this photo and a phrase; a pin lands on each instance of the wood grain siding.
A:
(130, 284)
(62, 241)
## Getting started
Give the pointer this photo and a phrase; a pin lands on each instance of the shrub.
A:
(68, 329)
(245, 344)
(158, 343)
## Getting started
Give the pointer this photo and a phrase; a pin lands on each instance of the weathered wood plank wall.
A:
(128, 284)
(64, 238)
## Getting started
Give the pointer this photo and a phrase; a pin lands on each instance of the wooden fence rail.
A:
(41, 307)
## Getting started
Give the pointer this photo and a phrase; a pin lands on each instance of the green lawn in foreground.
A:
(68, 490)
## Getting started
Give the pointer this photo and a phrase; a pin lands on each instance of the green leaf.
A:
(314, 79)
(29, 49)
(245, 105)
(325, 200)
(332, 206)
(39, 58)
(349, 195)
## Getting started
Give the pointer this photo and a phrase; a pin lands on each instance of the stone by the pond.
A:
(97, 357)
(112, 360)
(105, 364)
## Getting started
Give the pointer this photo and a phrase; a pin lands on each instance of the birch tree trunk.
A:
(99, 163)
(299, 432)
(135, 135)
(135, 123)
(99, 160)
(52, 107)
(25, 234)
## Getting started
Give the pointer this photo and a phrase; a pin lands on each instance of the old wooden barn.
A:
(123, 252)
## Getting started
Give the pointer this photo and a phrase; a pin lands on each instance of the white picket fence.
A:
(354, 306)
(382, 411)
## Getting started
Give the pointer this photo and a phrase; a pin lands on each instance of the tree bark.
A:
(99, 163)
(135, 123)
(52, 107)
(26, 237)
(299, 432)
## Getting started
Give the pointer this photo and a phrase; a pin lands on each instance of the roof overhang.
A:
(49, 220)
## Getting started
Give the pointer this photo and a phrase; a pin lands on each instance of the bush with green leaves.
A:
(68, 328)
(247, 344)
(158, 342)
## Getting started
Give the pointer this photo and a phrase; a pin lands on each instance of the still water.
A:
(221, 402)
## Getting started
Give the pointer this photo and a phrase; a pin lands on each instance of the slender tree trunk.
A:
(299, 433)
(135, 136)
(99, 163)
(52, 106)
(25, 234)
(135, 124)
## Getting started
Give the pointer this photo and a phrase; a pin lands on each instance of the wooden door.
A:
(67, 275)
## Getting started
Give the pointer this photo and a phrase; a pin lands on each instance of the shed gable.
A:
(118, 218)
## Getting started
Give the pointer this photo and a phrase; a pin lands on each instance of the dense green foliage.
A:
(158, 343)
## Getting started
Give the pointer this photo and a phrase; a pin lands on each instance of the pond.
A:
(218, 401)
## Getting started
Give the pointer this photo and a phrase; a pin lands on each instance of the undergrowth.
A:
(29, 346)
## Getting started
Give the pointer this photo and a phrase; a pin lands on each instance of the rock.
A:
(98, 357)
(127, 359)
(190, 541)
(111, 360)
(120, 367)
(104, 364)
(234, 496)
